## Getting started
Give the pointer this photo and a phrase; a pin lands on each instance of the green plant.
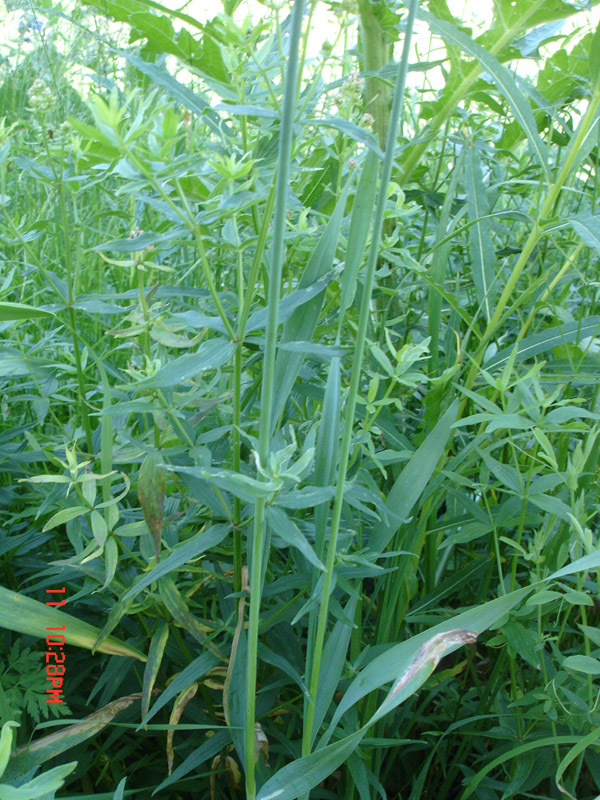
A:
(299, 381)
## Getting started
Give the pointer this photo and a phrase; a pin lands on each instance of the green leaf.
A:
(595, 56)
(210, 355)
(301, 324)
(299, 777)
(386, 667)
(591, 561)
(413, 479)
(41, 750)
(588, 227)
(483, 256)
(349, 129)
(6, 741)
(155, 654)
(18, 311)
(189, 550)
(360, 224)
(177, 606)
(66, 515)
(585, 664)
(291, 534)
(25, 615)
(546, 340)
(196, 669)
(152, 483)
(41, 788)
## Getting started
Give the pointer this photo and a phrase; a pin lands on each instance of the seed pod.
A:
(152, 483)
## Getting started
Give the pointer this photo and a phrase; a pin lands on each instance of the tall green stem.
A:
(315, 667)
(268, 384)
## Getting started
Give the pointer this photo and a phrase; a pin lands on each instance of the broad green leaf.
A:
(6, 741)
(299, 777)
(41, 788)
(25, 615)
(242, 486)
(66, 515)
(584, 564)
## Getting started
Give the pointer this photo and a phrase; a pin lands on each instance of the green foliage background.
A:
(299, 370)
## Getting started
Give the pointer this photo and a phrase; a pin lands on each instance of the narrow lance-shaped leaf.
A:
(41, 750)
(183, 616)
(178, 709)
(384, 668)
(360, 223)
(155, 654)
(483, 256)
(412, 480)
(17, 311)
(588, 227)
(152, 483)
(25, 615)
(544, 342)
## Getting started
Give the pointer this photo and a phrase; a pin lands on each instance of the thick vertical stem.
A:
(376, 53)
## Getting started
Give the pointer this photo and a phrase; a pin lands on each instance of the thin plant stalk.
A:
(315, 666)
(268, 383)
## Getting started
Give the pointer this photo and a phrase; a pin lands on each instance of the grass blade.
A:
(25, 615)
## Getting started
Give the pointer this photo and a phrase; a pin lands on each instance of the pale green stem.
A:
(268, 383)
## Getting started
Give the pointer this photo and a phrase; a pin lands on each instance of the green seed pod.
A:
(152, 483)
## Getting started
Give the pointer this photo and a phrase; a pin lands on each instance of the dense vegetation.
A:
(299, 379)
